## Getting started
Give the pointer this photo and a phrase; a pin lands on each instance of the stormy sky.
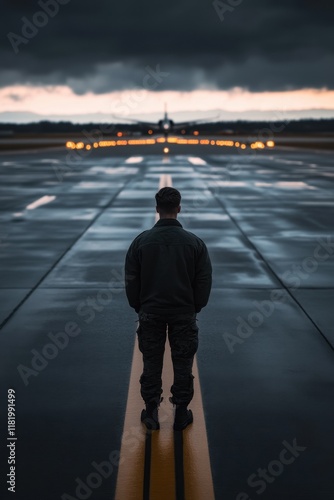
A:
(103, 46)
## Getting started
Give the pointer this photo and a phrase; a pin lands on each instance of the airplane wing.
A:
(155, 125)
(194, 122)
(152, 125)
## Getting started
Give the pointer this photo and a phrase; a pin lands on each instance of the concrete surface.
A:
(266, 338)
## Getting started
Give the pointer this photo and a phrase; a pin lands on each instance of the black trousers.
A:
(183, 341)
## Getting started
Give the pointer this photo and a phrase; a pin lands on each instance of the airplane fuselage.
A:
(166, 125)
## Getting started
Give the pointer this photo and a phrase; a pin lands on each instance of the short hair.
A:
(168, 199)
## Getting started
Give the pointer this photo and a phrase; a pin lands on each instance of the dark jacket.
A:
(168, 270)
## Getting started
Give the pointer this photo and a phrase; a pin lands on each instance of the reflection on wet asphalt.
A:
(266, 338)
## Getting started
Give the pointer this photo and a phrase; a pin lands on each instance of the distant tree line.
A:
(311, 126)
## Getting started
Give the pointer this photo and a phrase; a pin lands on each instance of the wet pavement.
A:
(266, 337)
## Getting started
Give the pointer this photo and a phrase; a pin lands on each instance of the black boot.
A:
(149, 417)
(183, 417)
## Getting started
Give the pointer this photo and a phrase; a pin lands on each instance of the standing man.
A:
(168, 280)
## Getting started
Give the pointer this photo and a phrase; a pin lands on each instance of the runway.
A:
(265, 362)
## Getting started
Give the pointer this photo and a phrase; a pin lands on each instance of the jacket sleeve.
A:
(203, 278)
(132, 277)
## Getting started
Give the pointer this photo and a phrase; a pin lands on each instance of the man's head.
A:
(168, 201)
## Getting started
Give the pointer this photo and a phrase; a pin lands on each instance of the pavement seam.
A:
(252, 245)
(93, 220)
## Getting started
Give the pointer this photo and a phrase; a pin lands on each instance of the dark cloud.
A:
(101, 46)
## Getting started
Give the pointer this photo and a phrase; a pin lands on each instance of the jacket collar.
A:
(167, 222)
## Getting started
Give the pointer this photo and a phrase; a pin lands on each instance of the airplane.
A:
(166, 125)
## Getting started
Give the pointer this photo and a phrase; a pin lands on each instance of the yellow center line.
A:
(165, 181)
(162, 463)
(197, 470)
(131, 467)
(198, 484)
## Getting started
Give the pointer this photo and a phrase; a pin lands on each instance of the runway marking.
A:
(165, 181)
(285, 185)
(171, 465)
(41, 201)
(134, 159)
(130, 478)
(196, 160)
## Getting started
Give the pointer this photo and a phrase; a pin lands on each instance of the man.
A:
(168, 280)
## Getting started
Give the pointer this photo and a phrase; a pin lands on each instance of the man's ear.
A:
(156, 209)
(179, 209)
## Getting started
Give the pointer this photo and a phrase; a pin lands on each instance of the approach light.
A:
(166, 150)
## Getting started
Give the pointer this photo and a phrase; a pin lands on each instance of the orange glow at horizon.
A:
(49, 99)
